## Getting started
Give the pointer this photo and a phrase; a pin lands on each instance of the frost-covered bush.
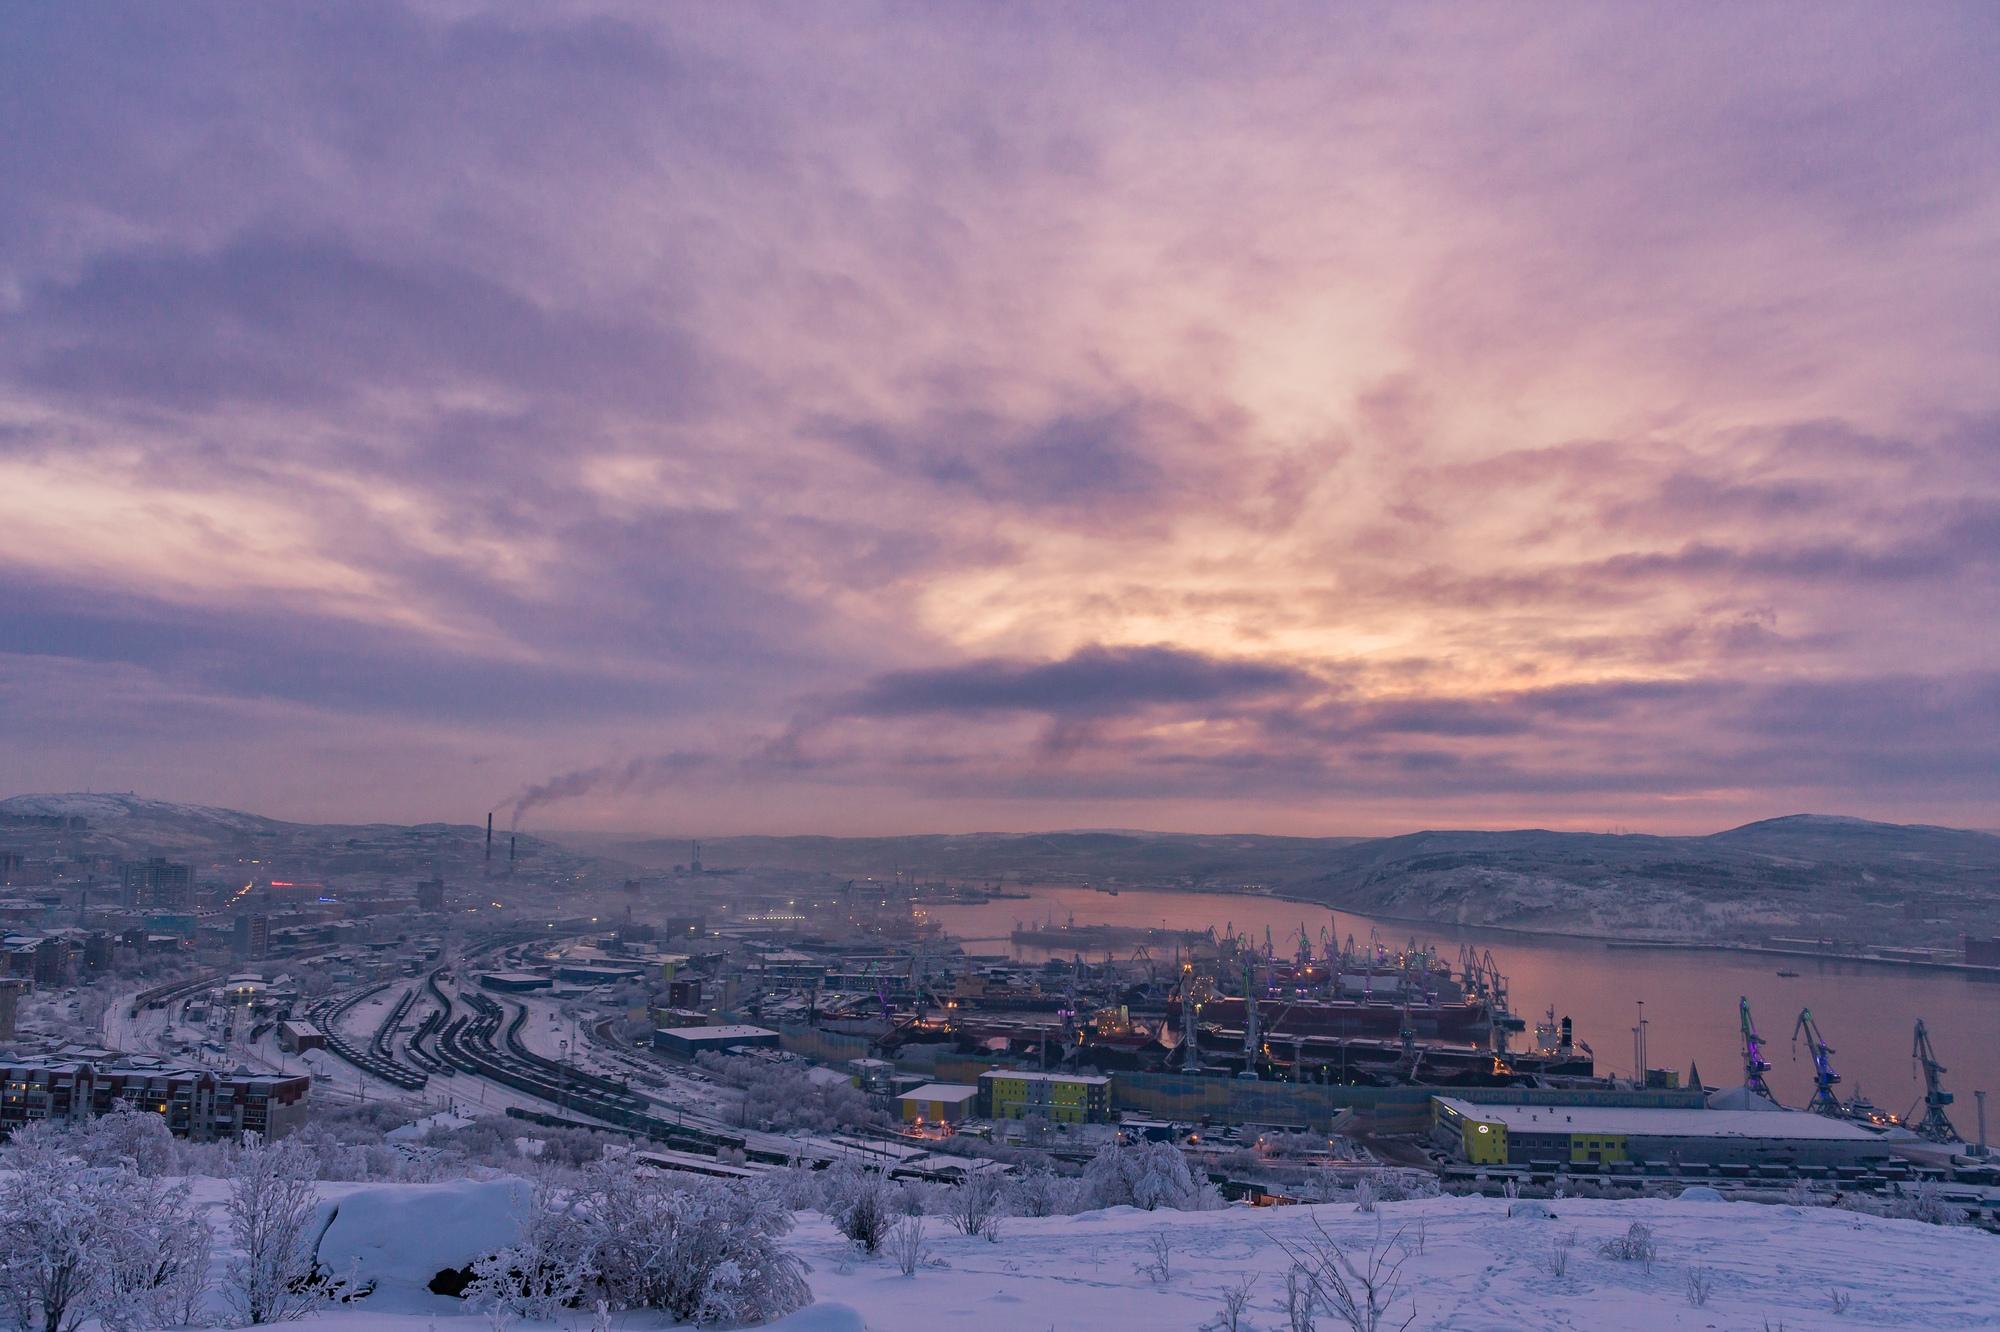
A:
(1924, 1201)
(906, 1244)
(79, 1242)
(1636, 1245)
(858, 1202)
(974, 1206)
(1041, 1192)
(703, 1252)
(1148, 1176)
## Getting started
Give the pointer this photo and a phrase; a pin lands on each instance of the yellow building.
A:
(937, 1103)
(1479, 1141)
(1062, 1098)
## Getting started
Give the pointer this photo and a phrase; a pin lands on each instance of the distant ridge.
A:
(1816, 875)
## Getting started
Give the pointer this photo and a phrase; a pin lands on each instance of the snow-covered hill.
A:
(125, 826)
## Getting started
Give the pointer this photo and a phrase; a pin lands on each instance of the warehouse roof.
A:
(738, 1033)
(1087, 1080)
(1657, 1122)
(950, 1092)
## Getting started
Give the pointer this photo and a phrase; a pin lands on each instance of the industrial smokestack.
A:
(489, 840)
(510, 853)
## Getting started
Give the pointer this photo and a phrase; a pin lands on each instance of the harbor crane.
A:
(1755, 1066)
(1824, 1101)
(1935, 1125)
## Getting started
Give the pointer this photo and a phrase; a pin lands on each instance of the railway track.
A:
(326, 1015)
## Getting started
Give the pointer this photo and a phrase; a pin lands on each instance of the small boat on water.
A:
(1788, 973)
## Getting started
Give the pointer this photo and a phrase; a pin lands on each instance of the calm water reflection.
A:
(1866, 1012)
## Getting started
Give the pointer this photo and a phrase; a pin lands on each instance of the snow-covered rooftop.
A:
(733, 1033)
(1651, 1121)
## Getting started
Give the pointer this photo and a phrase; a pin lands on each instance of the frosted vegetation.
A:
(114, 1224)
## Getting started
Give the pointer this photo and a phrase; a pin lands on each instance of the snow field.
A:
(1477, 1269)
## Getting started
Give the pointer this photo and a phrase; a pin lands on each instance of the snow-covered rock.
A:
(400, 1236)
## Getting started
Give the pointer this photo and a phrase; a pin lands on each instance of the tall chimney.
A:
(510, 853)
(489, 839)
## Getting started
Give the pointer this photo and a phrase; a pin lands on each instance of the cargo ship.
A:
(1467, 1021)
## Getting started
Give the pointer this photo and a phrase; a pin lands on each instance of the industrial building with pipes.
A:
(1559, 1136)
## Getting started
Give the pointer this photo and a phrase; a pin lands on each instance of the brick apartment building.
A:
(198, 1103)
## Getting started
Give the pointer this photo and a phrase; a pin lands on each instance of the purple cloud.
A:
(1301, 419)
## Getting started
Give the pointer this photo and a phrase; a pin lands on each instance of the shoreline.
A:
(1968, 969)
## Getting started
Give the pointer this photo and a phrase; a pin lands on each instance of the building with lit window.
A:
(197, 1103)
(1061, 1098)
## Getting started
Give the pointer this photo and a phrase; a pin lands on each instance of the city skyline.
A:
(903, 419)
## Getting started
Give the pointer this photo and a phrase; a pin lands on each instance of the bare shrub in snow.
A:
(1415, 1238)
(1361, 1291)
(1148, 1176)
(1159, 1265)
(1364, 1196)
(1235, 1303)
(1300, 1301)
(974, 1204)
(1840, 1300)
(906, 1244)
(1634, 1246)
(1556, 1260)
(270, 1210)
(1700, 1283)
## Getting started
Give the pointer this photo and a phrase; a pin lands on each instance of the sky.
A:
(715, 418)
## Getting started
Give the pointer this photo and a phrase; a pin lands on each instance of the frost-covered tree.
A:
(1041, 1192)
(81, 1242)
(129, 1134)
(1148, 1176)
(270, 1209)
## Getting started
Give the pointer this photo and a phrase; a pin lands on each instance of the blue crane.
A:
(1755, 1066)
(1935, 1125)
(1824, 1101)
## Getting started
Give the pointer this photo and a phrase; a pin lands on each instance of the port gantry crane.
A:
(1935, 1125)
(1824, 1101)
(1755, 1066)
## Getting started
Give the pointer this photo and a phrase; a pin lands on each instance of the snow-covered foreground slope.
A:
(1469, 1266)
(1478, 1269)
